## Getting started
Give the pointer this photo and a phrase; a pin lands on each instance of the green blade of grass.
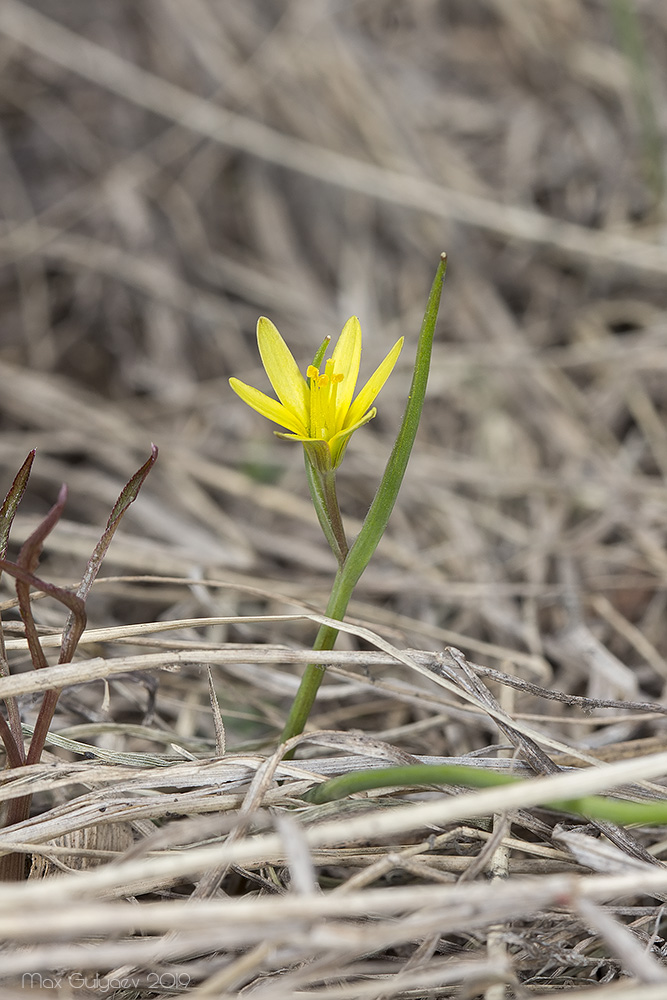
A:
(596, 807)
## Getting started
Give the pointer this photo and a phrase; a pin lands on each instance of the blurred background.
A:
(171, 171)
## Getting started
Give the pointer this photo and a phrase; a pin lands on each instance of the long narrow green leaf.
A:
(597, 807)
(409, 775)
(376, 520)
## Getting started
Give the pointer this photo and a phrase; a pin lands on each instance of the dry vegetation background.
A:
(170, 171)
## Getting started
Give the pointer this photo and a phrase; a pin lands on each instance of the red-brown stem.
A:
(15, 752)
(13, 866)
(42, 725)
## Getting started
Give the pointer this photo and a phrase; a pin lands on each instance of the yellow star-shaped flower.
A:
(317, 410)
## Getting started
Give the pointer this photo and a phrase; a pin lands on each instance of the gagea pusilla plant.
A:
(319, 409)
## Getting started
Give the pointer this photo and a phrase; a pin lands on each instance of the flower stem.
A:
(375, 523)
(325, 501)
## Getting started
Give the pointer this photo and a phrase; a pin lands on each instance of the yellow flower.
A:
(317, 410)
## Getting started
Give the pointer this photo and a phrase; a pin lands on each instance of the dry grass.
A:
(170, 171)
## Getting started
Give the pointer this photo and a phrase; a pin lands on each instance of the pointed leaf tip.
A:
(13, 499)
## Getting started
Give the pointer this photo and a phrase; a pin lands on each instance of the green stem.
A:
(323, 493)
(409, 775)
(314, 672)
(598, 807)
(376, 520)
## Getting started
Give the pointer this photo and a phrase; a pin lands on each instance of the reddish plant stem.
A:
(42, 725)
(14, 751)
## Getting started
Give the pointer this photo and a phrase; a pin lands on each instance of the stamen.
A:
(323, 399)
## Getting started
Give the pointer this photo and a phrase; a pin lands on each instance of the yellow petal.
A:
(268, 407)
(373, 386)
(338, 443)
(283, 371)
(346, 357)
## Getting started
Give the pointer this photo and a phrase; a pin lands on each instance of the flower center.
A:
(323, 391)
